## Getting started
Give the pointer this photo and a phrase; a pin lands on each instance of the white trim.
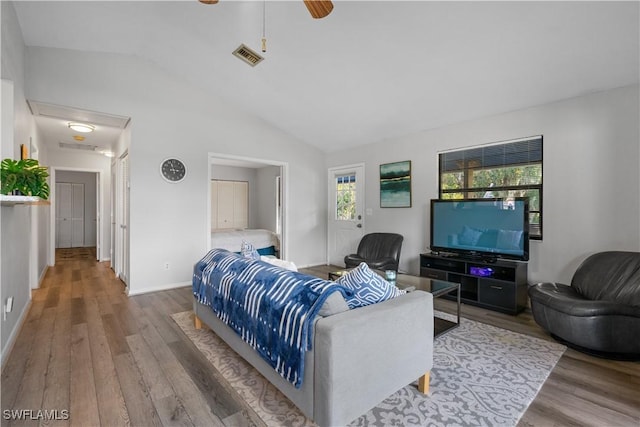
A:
(44, 273)
(164, 287)
(488, 144)
(6, 351)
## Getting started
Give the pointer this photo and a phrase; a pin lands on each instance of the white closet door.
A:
(240, 204)
(225, 204)
(77, 216)
(69, 215)
(63, 215)
(229, 204)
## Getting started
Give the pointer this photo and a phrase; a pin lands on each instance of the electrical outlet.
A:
(166, 265)
(7, 307)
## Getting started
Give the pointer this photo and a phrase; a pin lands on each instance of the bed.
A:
(266, 242)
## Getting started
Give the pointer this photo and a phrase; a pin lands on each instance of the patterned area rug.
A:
(482, 376)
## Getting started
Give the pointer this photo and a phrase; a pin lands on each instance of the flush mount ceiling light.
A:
(81, 127)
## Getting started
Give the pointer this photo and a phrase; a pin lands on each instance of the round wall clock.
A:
(173, 170)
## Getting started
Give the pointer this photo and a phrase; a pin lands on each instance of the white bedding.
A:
(231, 240)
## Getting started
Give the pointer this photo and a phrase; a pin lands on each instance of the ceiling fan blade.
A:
(318, 8)
(209, 1)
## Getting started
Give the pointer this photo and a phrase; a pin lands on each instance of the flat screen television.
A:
(481, 228)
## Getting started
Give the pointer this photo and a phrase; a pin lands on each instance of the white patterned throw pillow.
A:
(367, 286)
(248, 251)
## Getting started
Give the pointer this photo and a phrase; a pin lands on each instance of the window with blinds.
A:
(505, 170)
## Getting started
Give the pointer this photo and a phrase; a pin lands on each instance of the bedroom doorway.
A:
(267, 198)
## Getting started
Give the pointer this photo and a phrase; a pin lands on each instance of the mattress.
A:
(231, 240)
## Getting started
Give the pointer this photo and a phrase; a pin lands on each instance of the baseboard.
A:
(146, 290)
(313, 264)
(44, 273)
(14, 334)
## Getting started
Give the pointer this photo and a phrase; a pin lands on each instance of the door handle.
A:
(359, 225)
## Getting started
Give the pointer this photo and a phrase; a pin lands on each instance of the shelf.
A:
(11, 200)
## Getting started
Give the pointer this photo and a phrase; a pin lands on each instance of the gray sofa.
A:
(359, 357)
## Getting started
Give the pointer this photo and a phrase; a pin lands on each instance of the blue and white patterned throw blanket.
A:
(270, 308)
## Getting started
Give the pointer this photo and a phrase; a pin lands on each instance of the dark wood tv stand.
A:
(498, 285)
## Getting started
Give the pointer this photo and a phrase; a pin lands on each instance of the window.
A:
(346, 197)
(505, 170)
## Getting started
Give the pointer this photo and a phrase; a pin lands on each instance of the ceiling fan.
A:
(317, 8)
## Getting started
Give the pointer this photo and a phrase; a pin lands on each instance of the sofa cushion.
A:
(334, 304)
(367, 287)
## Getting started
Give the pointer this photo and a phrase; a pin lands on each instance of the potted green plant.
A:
(25, 176)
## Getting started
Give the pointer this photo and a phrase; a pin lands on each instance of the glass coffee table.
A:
(437, 288)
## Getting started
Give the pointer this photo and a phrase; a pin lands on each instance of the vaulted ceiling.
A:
(369, 71)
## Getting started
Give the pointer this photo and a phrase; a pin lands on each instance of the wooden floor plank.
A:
(57, 384)
(140, 407)
(108, 393)
(169, 407)
(32, 386)
(82, 395)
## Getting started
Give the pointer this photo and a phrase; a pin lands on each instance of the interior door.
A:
(69, 215)
(345, 207)
(124, 275)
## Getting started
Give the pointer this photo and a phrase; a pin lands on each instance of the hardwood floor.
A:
(107, 359)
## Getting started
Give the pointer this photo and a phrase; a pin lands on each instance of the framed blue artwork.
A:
(395, 185)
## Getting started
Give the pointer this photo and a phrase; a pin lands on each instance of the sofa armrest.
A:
(364, 355)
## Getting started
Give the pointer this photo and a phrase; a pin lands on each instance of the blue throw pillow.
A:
(367, 286)
(248, 251)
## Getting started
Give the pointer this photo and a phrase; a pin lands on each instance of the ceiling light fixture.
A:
(81, 127)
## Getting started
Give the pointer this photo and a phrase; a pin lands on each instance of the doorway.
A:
(76, 205)
(345, 223)
(268, 190)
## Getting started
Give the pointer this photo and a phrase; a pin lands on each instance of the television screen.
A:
(481, 227)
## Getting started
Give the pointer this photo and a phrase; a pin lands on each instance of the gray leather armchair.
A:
(380, 251)
(599, 313)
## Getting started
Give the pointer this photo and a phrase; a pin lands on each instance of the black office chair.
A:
(380, 251)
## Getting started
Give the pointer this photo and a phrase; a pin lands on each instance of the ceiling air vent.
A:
(78, 146)
(247, 55)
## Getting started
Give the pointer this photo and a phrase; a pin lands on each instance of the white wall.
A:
(266, 197)
(88, 180)
(591, 177)
(18, 264)
(169, 222)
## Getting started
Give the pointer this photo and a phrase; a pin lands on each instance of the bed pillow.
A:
(367, 287)
(287, 265)
(248, 251)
